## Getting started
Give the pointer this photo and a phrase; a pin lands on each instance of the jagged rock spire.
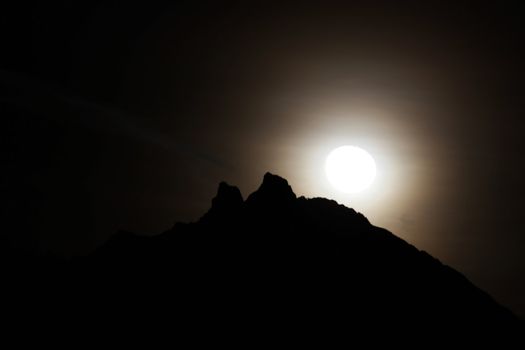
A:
(225, 204)
(274, 189)
(227, 197)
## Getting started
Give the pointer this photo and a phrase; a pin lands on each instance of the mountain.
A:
(314, 256)
(273, 258)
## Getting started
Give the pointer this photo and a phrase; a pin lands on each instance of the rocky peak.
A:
(224, 205)
(274, 189)
(227, 197)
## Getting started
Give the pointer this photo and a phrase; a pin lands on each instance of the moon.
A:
(350, 169)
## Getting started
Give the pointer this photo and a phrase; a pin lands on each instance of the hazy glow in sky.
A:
(143, 110)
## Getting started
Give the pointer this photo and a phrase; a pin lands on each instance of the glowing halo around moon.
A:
(350, 169)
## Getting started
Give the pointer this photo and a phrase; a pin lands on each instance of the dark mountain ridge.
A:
(270, 256)
(311, 251)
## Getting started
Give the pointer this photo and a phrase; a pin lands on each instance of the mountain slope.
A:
(276, 254)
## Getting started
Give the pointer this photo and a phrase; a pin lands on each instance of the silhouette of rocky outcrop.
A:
(276, 257)
(273, 191)
(225, 205)
(311, 255)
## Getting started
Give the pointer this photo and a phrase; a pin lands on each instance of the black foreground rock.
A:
(270, 258)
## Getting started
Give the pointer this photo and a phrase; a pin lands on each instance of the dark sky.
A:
(120, 116)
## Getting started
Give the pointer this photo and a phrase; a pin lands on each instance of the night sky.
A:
(119, 116)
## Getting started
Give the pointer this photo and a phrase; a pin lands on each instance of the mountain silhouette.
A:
(274, 257)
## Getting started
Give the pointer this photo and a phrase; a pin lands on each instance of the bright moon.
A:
(350, 169)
